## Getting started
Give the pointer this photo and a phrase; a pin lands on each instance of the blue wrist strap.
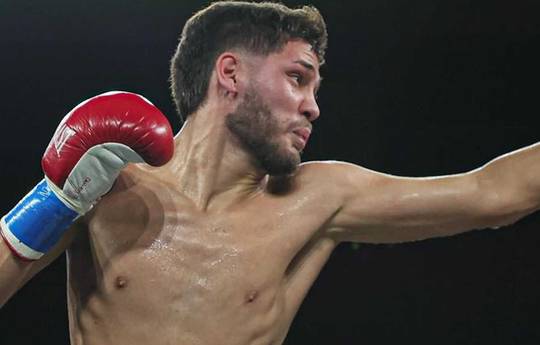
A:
(37, 222)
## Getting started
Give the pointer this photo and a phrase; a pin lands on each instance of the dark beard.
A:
(255, 127)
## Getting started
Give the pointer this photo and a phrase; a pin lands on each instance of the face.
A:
(273, 119)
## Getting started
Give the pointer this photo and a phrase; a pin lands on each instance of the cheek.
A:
(281, 95)
(291, 95)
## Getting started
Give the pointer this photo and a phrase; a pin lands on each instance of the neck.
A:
(210, 167)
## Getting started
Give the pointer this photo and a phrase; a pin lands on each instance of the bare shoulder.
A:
(336, 176)
(135, 177)
(332, 167)
(328, 183)
(131, 176)
(136, 191)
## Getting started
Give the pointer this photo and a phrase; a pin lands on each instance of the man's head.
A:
(273, 115)
(259, 28)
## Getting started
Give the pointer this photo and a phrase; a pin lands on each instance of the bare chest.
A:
(216, 260)
(236, 254)
(202, 271)
(199, 273)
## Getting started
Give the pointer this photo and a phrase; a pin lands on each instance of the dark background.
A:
(414, 88)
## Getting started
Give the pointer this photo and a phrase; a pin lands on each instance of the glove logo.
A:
(63, 134)
(76, 190)
(85, 182)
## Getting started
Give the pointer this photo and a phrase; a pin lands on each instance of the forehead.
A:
(295, 51)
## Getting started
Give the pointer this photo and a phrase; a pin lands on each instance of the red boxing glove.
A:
(85, 156)
(98, 138)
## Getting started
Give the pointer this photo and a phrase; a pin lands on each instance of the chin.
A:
(283, 163)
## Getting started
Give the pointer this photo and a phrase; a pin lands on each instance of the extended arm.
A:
(380, 208)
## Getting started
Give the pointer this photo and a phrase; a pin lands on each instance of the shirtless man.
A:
(220, 245)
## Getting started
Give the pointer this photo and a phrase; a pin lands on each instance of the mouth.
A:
(303, 135)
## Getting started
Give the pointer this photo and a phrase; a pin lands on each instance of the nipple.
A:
(121, 282)
(251, 296)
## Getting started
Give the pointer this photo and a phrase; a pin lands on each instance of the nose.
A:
(309, 108)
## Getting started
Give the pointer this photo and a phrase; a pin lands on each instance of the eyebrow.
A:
(305, 64)
(310, 67)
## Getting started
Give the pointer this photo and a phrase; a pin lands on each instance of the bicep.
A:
(380, 208)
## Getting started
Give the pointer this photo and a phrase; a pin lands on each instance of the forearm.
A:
(15, 272)
(12, 272)
(510, 185)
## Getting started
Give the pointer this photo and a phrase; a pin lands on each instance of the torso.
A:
(153, 269)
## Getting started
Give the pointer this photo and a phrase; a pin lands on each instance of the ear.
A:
(227, 68)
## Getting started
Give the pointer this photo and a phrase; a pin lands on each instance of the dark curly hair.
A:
(262, 28)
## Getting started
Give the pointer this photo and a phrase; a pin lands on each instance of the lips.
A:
(303, 134)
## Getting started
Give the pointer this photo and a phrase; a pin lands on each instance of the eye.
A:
(297, 77)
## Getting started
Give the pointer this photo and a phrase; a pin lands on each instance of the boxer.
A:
(220, 244)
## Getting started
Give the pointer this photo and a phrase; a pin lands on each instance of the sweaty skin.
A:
(210, 250)
(153, 269)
